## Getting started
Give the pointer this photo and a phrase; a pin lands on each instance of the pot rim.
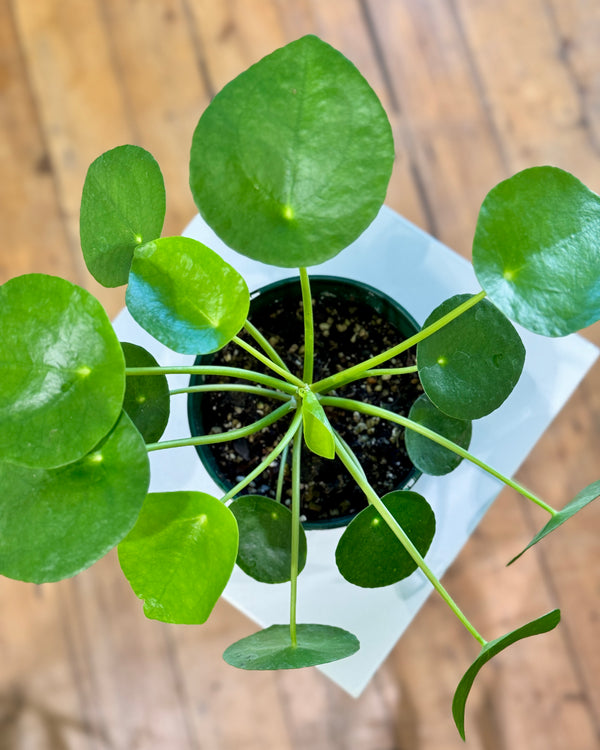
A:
(194, 399)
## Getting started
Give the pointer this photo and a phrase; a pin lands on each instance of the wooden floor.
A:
(476, 90)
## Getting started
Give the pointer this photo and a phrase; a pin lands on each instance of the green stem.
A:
(352, 373)
(267, 362)
(391, 371)
(349, 463)
(377, 411)
(281, 474)
(309, 327)
(224, 437)
(268, 460)
(236, 387)
(225, 372)
(264, 343)
(295, 533)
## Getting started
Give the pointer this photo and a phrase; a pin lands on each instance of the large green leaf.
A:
(146, 396)
(541, 625)
(583, 498)
(426, 455)
(122, 207)
(535, 250)
(370, 555)
(272, 648)
(179, 555)
(186, 296)
(291, 160)
(318, 433)
(57, 522)
(470, 366)
(62, 371)
(265, 528)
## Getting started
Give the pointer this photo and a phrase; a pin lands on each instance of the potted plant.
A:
(289, 165)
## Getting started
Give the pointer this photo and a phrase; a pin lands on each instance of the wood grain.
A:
(475, 91)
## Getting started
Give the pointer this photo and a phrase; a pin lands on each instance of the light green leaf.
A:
(146, 396)
(122, 207)
(535, 250)
(583, 498)
(62, 371)
(56, 522)
(186, 296)
(318, 433)
(265, 528)
(426, 455)
(272, 648)
(470, 366)
(370, 555)
(291, 160)
(180, 555)
(542, 625)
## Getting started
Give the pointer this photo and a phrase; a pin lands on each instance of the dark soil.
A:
(347, 331)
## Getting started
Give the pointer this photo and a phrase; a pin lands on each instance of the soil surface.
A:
(347, 331)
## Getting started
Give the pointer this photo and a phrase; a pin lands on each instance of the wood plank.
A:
(447, 127)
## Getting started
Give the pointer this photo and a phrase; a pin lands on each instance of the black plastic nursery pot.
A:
(353, 321)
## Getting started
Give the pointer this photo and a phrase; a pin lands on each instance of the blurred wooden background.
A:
(476, 90)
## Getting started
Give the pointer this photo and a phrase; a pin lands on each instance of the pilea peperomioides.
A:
(289, 165)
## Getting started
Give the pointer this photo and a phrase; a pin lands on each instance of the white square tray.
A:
(411, 266)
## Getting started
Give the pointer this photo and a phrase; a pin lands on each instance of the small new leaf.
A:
(318, 433)
(535, 627)
(146, 396)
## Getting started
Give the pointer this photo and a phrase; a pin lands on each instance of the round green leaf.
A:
(63, 371)
(291, 160)
(265, 528)
(470, 366)
(542, 625)
(426, 455)
(179, 555)
(272, 648)
(583, 498)
(370, 555)
(146, 396)
(535, 250)
(186, 296)
(122, 207)
(56, 522)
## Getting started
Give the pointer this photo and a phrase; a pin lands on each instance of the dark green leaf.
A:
(370, 555)
(122, 207)
(470, 366)
(146, 396)
(541, 625)
(272, 648)
(426, 455)
(317, 430)
(265, 528)
(583, 498)
(535, 250)
(290, 162)
(57, 522)
(179, 555)
(186, 296)
(63, 371)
